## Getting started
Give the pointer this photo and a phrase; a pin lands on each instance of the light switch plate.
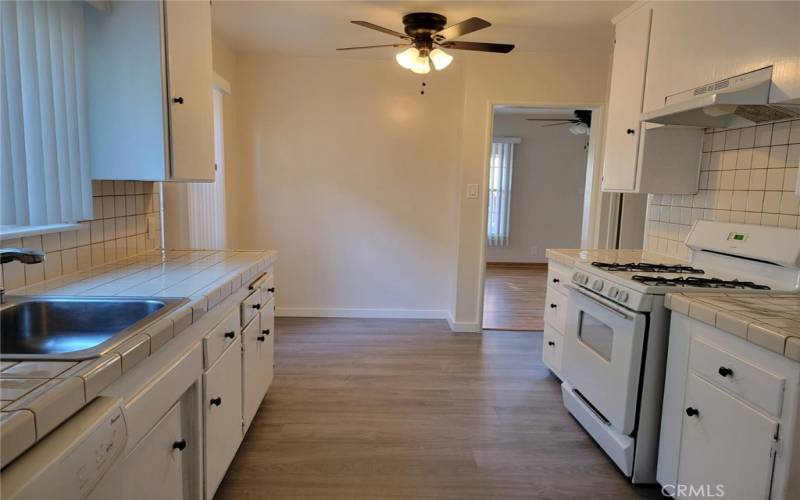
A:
(472, 191)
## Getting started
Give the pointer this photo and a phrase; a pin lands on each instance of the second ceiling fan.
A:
(426, 35)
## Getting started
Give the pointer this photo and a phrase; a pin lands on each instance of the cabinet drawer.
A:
(552, 349)
(257, 359)
(218, 339)
(737, 376)
(155, 468)
(250, 307)
(265, 285)
(555, 309)
(558, 275)
(222, 411)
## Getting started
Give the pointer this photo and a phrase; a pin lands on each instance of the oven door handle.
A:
(600, 301)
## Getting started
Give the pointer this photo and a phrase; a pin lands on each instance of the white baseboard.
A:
(463, 326)
(325, 312)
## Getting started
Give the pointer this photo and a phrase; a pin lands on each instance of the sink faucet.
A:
(24, 255)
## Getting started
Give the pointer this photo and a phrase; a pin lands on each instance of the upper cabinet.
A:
(697, 43)
(150, 83)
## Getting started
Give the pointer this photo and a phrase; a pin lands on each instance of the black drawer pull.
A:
(692, 412)
(178, 100)
(265, 332)
(556, 280)
(271, 289)
(256, 306)
(179, 445)
(630, 131)
(553, 306)
(216, 401)
(725, 372)
(230, 335)
(551, 343)
(261, 338)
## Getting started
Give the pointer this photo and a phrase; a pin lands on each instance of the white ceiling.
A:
(318, 27)
(535, 112)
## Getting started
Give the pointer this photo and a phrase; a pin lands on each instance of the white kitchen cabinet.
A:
(558, 275)
(150, 83)
(696, 43)
(154, 470)
(222, 412)
(257, 361)
(726, 443)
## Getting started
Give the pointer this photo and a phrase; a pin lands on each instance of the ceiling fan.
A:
(578, 125)
(426, 36)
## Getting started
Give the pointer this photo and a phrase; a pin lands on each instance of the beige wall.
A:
(534, 79)
(547, 190)
(350, 173)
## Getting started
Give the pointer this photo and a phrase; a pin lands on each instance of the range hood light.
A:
(720, 109)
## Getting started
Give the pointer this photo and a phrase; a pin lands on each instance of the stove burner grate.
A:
(647, 267)
(698, 282)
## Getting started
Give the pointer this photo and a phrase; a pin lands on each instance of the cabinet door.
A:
(223, 414)
(257, 361)
(154, 469)
(625, 101)
(726, 443)
(190, 81)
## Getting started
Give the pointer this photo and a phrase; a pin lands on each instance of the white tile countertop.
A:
(770, 320)
(36, 396)
(571, 256)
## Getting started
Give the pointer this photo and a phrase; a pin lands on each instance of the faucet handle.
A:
(24, 255)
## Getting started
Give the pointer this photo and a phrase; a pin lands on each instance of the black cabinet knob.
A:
(265, 332)
(630, 131)
(271, 289)
(230, 335)
(553, 306)
(551, 343)
(725, 372)
(261, 338)
(692, 412)
(256, 306)
(178, 100)
(216, 401)
(556, 280)
(179, 445)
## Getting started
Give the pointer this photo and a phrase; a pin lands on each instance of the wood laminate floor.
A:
(514, 296)
(405, 409)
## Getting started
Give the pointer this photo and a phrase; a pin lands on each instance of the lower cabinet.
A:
(257, 361)
(154, 469)
(725, 443)
(222, 414)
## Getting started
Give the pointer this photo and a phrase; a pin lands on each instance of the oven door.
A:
(603, 349)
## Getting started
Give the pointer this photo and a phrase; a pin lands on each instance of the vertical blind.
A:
(206, 200)
(44, 116)
(501, 168)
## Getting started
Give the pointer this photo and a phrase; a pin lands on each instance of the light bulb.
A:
(421, 65)
(440, 59)
(407, 58)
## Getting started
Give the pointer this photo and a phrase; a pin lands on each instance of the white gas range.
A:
(615, 342)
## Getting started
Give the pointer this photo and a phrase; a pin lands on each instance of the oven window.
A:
(596, 334)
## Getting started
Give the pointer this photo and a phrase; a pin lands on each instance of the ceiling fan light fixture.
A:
(579, 128)
(440, 59)
(408, 57)
(422, 65)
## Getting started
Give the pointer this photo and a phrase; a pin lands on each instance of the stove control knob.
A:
(597, 285)
(622, 296)
(613, 292)
(576, 277)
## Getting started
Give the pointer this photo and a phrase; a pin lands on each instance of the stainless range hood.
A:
(734, 102)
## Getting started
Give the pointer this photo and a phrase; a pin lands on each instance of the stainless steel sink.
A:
(74, 328)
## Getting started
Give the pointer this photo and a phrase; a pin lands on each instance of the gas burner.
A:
(647, 267)
(698, 282)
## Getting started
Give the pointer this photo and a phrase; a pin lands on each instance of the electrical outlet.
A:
(472, 191)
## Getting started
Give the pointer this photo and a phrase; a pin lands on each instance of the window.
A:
(501, 167)
(44, 149)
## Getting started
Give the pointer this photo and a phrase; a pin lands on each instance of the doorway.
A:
(537, 181)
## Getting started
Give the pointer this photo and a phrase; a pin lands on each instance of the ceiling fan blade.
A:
(552, 120)
(371, 26)
(501, 48)
(556, 124)
(462, 28)
(373, 46)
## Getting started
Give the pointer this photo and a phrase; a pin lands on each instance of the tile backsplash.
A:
(747, 175)
(119, 228)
